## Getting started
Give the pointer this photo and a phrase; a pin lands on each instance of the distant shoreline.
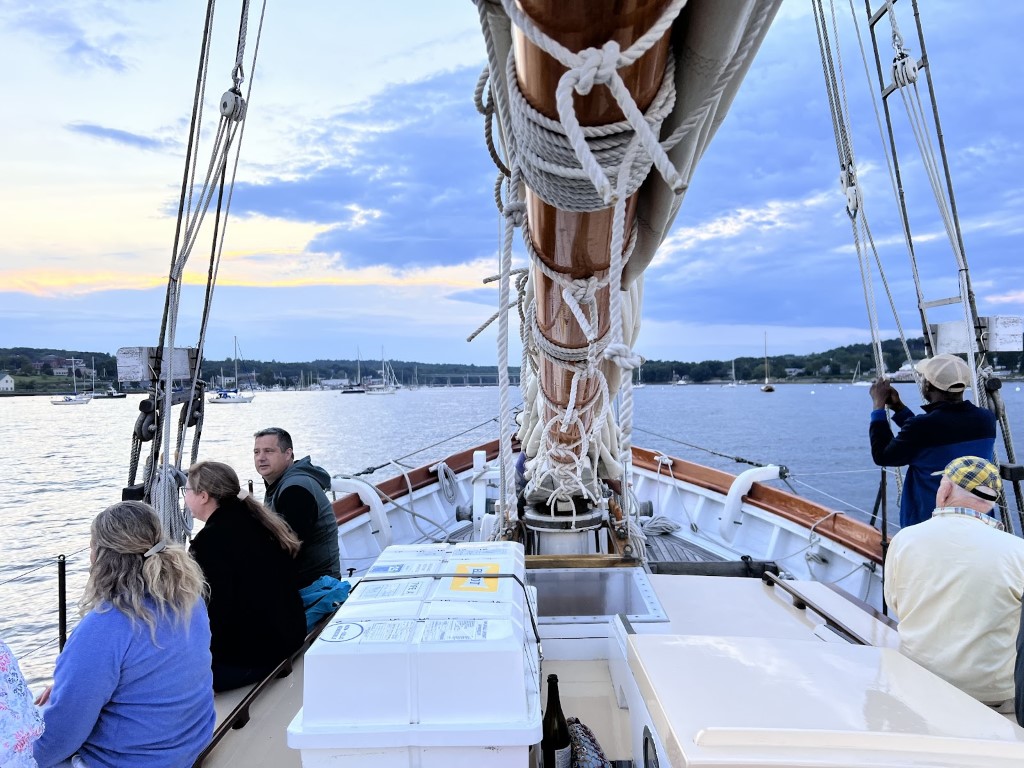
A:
(711, 383)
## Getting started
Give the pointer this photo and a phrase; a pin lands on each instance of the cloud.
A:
(123, 137)
(364, 198)
(405, 191)
(55, 27)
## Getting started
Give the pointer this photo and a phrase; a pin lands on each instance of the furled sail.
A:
(604, 108)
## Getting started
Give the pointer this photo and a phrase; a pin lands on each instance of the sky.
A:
(363, 222)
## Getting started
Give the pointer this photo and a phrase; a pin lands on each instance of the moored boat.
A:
(110, 394)
(76, 397)
(232, 396)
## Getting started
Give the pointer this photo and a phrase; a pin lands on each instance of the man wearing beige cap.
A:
(949, 427)
(955, 581)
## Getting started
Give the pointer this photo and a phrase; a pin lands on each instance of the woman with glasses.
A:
(132, 687)
(247, 554)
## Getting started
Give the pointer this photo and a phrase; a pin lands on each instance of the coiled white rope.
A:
(552, 152)
(579, 168)
(601, 66)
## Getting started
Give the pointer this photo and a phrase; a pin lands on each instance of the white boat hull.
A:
(803, 541)
(72, 400)
(231, 399)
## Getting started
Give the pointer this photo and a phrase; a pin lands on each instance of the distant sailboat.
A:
(389, 382)
(357, 388)
(639, 377)
(856, 382)
(75, 399)
(231, 396)
(767, 384)
(733, 382)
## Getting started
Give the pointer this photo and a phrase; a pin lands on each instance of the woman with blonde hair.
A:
(132, 687)
(247, 554)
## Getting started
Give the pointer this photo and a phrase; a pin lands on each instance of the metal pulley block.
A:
(232, 105)
(904, 70)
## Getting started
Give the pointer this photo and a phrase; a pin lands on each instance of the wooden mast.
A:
(578, 244)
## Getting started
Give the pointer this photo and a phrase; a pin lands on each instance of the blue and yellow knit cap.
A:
(975, 475)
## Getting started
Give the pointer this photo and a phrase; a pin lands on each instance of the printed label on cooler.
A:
(404, 569)
(476, 577)
(341, 632)
(453, 630)
(389, 632)
(402, 589)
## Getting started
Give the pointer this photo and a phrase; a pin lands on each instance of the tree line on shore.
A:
(22, 363)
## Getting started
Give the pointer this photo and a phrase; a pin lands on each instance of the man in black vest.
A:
(296, 491)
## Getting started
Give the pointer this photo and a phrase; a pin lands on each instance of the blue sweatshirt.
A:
(927, 443)
(119, 700)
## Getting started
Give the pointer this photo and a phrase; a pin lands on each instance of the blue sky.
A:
(363, 214)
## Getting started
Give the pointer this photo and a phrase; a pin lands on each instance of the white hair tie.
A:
(243, 494)
(160, 546)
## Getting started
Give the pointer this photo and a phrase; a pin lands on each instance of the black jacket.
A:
(256, 614)
(298, 496)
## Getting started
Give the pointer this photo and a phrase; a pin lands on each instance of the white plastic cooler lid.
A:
(740, 701)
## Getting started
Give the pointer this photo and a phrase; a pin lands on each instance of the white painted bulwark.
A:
(6, 383)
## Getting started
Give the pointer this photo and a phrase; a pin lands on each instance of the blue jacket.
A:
(122, 702)
(926, 443)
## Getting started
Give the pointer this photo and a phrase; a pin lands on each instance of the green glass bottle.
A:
(555, 745)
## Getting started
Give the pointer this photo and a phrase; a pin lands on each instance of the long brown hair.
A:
(132, 562)
(221, 482)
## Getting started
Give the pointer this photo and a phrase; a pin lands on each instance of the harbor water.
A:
(63, 465)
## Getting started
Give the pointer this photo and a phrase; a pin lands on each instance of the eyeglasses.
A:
(185, 490)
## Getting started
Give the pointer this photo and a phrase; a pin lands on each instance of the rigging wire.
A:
(42, 564)
(163, 467)
(737, 459)
(373, 468)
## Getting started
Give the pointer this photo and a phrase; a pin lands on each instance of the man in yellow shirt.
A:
(955, 581)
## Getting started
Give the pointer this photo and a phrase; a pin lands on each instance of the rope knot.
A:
(623, 356)
(597, 65)
(583, 289)
(561, 455)
(516, 212)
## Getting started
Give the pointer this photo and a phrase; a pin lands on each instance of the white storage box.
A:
(746, 702)
(438, 670)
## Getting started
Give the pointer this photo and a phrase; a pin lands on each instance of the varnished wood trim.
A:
(351, 506)
(578, 561)
(853, 534)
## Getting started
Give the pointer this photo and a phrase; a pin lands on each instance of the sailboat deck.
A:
(668, 548)
(661, 548)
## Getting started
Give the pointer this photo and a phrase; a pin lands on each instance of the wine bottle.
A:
(555, 746)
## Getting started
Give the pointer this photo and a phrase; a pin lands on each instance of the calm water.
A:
(63, 465)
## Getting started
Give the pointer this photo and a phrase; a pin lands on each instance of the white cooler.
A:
(426, 671)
